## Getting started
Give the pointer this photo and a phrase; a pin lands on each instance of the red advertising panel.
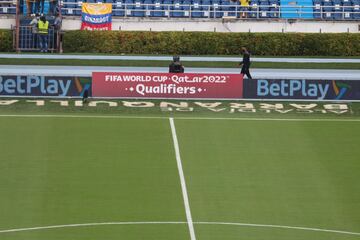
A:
(166, 85)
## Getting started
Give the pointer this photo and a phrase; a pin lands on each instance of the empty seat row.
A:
(7, 9)
(337, 9)
(336, 2)
(337, 16)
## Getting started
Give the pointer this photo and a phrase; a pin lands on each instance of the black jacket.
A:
(176, 67)
(246, 60)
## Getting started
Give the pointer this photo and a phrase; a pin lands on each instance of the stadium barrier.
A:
(179, 86)
(28, 41)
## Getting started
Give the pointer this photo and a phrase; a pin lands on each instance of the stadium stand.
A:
(7, 7)
(258, 9)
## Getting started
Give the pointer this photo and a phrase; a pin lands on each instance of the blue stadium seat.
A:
(347, 5)
(328, 15)
(69, 7)
(215, 9)
(328, 10)
(274, 10)
(139, 10)
(356, 12)
(196, 11)
(348, 15)
(12, 9)
(317, 11)
(158, 9)
(186, 7)
(176, 9)
(234, 9)
(264, 9)
(338, 10)
(119, 8)
(129, 7)
(167, 7)
(78, 11)
(225, 7)
(206, 6)
(148, 6)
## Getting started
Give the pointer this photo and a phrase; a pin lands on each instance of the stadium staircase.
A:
(295, 9)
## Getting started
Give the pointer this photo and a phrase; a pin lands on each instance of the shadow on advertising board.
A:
(302, 89)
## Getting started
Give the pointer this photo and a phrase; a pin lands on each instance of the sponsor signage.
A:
(166, 85)
(215, 107)
(301, 89)
(43, 86)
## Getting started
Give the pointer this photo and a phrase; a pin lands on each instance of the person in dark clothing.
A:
(245, 62)
(85, 96)
(176, 66)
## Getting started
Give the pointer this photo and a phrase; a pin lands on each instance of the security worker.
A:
(176, 66)
(43, 32)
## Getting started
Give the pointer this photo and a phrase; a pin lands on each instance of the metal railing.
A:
(220, 11)
(29, 41)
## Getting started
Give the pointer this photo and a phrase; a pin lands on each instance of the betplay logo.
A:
(291, 88)
(27, 85)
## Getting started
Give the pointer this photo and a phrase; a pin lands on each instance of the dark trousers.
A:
(43, 42)
(35, 41)
(245, 71)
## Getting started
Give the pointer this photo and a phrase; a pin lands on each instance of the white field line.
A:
(167, 223)
(182, 180)
(181, 118)
(278, 226)
(84, 225)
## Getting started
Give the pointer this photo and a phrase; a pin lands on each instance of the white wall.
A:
(224, 25)
(6, 21)
(230, 25)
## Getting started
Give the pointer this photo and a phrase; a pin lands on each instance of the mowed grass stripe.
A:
(56, 171)
(274, 173)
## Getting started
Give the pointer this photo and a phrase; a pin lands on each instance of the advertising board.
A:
(43, 86)
(166, 85)
(301, 89)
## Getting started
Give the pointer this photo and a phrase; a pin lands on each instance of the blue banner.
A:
(302, 89)
(96, 19)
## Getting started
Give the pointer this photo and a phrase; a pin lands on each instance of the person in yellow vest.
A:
(43, 32)
(244, 8)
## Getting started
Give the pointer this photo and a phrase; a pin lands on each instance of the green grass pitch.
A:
(65, 178)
